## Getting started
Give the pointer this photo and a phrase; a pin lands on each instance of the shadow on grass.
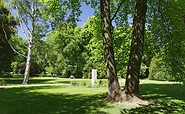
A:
(165, 99)
(22, 101)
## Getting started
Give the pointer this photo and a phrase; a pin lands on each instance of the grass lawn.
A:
(164, 97)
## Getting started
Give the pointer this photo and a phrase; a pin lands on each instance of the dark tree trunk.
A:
(134, 63)
(108, 49)
(129, 96)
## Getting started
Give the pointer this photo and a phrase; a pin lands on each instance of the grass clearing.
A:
(165, 97)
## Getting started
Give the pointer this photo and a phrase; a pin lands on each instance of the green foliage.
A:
(6, 75)
(167, 28)
(76, 51)
(122, 40)
(144, 71)
(3, 82)
(19, 44)
(64, 51)
(34, 68)
(159, 70)
(61, 11)
(87, 83)
(7, 24)
(93, 49)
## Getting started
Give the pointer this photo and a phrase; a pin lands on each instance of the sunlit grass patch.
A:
(164, 97)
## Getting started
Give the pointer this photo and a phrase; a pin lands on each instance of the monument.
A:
(94, 76)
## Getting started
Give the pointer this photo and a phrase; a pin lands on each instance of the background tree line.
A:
(77, 50)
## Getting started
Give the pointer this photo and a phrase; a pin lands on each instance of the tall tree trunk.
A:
(134, 63)
(30, 41)
(28, 62)
(108, 49)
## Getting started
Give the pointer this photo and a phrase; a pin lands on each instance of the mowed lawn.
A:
(78, 97)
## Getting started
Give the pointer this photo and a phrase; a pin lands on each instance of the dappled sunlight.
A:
(52, 103)
(164, 97)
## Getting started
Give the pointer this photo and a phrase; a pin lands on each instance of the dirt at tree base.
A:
(134, 102)
(122, 98)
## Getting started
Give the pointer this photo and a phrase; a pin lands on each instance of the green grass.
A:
(46, 80)
(165, 98)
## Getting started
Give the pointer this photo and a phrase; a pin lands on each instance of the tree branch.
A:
(26, 24)
(10, 44)
(21, 24)
(117, 10)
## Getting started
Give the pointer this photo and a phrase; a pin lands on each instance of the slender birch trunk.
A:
(28, 63)
(30, 43)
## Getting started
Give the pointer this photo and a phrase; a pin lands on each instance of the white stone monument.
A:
(94, 76)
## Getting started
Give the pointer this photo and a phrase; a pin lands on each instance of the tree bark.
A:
(134, 63)
(28, 63)
(113, 85)
(30, 42)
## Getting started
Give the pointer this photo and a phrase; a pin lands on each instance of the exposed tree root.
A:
(123, 98)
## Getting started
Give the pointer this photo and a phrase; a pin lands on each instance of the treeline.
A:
(70, 50)
(76, 51)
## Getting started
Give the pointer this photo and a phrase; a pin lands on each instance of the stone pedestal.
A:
(94, 76)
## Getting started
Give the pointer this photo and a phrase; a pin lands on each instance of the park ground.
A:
(47, 95)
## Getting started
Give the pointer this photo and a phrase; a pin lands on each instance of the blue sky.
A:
(87, 11)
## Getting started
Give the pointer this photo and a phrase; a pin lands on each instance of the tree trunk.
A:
(113, 85)
(30, 41)
(27, 70)
(129, 96)
(134, 63)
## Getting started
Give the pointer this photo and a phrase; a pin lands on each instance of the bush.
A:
(3, 82)
(34, 68)
(159, 70)
(144, 72)
(87, 83)
(6, 75)
(101, 83)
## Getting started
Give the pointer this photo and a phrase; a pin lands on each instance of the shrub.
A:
(6, 75)
(159, 70)
(34, 68)
(144, 72)
(87, 83)
(3, 82)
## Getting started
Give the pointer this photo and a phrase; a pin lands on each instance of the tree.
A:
(134, 63)
(113, 85)
(64, 53)
(19, 44)
(131, 90)
(122, 39)
(7, 28)
(167, 28)
(27, 14)
(61, 11)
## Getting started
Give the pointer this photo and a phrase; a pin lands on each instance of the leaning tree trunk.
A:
(113, 85)
(30, 41)
(134, 63)
(28, 63)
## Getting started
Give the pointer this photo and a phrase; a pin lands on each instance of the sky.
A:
(87, 11)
